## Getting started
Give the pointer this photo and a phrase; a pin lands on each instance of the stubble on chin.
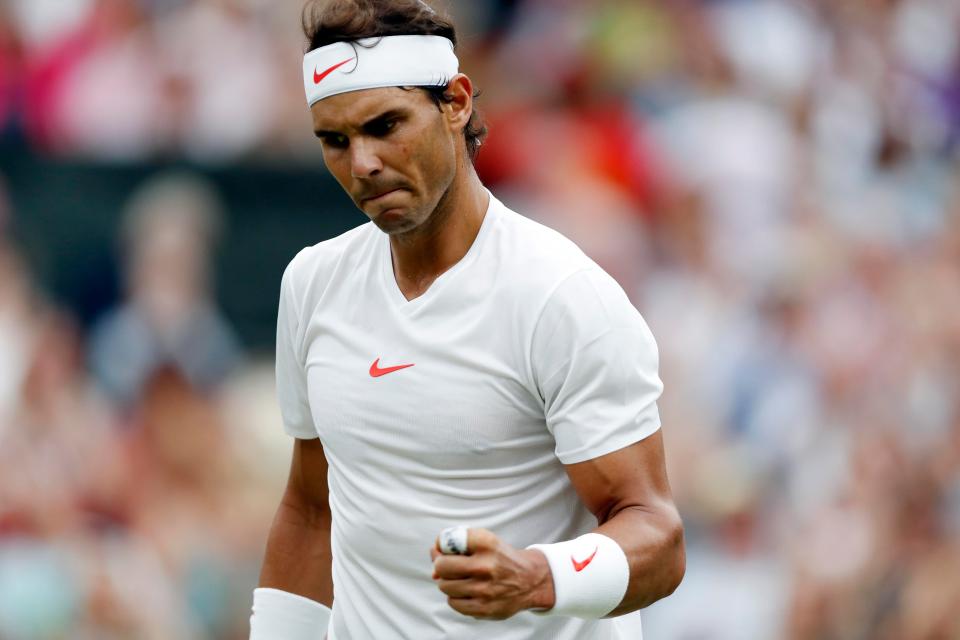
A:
(395, 225)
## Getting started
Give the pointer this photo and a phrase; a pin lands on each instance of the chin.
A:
(394, 221)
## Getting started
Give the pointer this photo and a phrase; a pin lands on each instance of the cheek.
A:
(338, 165)
(437, 157)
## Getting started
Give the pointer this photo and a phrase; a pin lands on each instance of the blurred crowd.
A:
(776, 184)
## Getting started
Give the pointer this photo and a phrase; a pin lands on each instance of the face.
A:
(392, 150)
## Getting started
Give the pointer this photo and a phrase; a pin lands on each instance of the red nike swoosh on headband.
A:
(317, 77)
(376, 371)
(580, 566)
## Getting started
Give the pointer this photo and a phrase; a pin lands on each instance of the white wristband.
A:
(590, 575)
(280, 615)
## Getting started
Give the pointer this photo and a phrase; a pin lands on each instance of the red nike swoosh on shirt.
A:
(376, 371)
(580, 566)
(317, 77)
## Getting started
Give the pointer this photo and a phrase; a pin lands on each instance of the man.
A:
(452, 363)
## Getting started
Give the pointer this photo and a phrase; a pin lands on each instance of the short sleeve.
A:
(595, 362)
(291, 375)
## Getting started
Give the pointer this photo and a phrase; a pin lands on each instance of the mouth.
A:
(378, 197)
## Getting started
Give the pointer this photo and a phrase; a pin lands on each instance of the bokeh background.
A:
(775, 183)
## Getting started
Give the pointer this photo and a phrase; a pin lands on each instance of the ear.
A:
(460, 107)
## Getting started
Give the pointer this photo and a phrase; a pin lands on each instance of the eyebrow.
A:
(386, 115)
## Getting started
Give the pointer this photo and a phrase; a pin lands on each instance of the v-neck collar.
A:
(395, 295)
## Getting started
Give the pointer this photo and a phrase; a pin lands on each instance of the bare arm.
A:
(298, 559)
(628, 492)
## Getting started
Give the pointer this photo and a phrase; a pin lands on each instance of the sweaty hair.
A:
(329, 21)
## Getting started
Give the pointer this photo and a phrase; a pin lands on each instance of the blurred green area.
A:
(70, 234)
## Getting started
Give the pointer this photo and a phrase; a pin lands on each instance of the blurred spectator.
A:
(774, 182)
(223, 68)
(84, 60)
(10, 69)
(16, 322)
(169, 316)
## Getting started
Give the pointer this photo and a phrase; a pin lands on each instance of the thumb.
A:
(481, 540)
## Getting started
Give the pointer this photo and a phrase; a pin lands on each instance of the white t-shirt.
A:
(460, 406)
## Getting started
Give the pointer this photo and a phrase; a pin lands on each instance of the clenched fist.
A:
(493, 580)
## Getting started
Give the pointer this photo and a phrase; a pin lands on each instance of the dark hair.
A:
(329, 21)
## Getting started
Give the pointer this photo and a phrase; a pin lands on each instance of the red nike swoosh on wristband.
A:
(376, 371)
(317, 77)
(580, 566)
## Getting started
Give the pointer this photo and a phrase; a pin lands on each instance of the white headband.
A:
(371, 63)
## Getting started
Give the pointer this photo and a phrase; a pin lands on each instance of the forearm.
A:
(298, 558)
(652, 540)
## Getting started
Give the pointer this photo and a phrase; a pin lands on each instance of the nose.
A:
(364, 161)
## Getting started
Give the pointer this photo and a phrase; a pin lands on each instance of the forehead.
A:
(354, 108)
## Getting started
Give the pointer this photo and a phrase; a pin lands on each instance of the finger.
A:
(474, 608)
(461, 588)
(462, 540)
(481, 540)
(455, 567)
(453, 540)
(434, 554)
(466, 606)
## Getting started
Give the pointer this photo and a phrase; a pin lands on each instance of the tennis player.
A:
(452, 364)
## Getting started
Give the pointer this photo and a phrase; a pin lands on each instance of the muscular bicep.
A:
(307, 483)
(627, 490)
(632, 477)
(298, 557)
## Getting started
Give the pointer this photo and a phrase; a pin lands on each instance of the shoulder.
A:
(554, 279)
(540, 259)
(312, 269)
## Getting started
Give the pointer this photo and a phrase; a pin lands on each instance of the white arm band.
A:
(590, 575)
(279, 615)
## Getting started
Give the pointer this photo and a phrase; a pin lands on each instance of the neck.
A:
(421, 255)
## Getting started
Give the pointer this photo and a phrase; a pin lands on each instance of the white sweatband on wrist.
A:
(280, 615)
(371, 63)
(590, 575)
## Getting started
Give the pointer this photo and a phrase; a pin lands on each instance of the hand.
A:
(493, 581)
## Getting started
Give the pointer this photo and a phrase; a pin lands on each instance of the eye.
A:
(381, 128)
(337, 141)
